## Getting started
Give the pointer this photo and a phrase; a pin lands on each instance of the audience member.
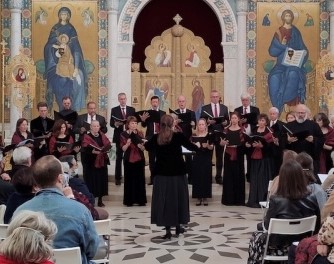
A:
(29, 240)
(25, 186)
(293, 200)
(74, 221)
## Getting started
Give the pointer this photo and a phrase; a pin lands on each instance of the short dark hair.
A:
(263, 116)
(23, 180)
(46, 171)
(41, 104)
(65, 98)
(155, 97)
(67, 158)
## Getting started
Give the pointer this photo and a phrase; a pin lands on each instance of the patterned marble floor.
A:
(215, 234)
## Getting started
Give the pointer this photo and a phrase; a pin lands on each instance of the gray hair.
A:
(245, 95)
(275, 109)
(22, 155)
(29, 238)
(66, 166)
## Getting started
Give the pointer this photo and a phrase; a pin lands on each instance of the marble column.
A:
(113, 88)
(231, 75)
(330, 6)
(242, 7)
(15, 45)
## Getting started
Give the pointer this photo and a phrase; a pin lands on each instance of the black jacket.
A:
(283, 208)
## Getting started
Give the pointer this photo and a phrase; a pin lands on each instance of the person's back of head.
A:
(47, 171)
(166, 130)
(306, 161)
(292, 182)
(289, 155)
(30, 235)
(22, 156)
(24, 181)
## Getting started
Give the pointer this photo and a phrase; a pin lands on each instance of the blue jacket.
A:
(74, 221)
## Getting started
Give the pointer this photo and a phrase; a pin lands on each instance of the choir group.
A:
(247, 145)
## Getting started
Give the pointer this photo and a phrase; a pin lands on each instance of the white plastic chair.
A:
(67, 255)
(3, 231)
(2, 212)
(287, 227)
(265, 204)
(103, 228)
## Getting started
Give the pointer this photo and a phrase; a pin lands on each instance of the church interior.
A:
(165, 48)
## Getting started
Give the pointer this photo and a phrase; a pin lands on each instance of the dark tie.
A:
(216, 111)
(245, 112)
(45, 125)
(123, 113)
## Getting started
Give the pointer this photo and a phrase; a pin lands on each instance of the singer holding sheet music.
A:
(61, 141)
(152, 124)
(234, 170)
(41, 126)
(21, 133)
(118, 116)
(261, 168)
(202, 164)
(287, 84)
(304, 135)
(95, 146)
(131, 142)
(217, 117)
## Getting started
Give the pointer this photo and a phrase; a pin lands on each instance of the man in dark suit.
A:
(151, 129)
(248, 125)
(276, 127)
(118, 116)
(42, 125)
(186, 129)
(84, 119)
(67, 111)
(209, 112)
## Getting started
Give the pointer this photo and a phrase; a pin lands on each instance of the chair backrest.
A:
(3, 231)
(103, 229)
(292, 226)
(2, 212)
(67, 255)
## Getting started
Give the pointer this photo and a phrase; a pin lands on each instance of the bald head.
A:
(46, 171)
(181, 100)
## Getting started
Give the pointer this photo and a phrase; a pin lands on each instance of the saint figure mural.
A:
(287, 84)
(62, 48)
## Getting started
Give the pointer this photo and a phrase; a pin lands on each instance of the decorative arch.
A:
(221, 8)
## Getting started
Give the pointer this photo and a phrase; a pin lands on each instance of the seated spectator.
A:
(306, 161)
(79, 188)
(292, 200)
(29, 239)
(74, 221)
(328, 184)
(21, 158)
(25, 186)
(287, 155)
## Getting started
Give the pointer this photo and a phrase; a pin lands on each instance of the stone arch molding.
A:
(221, 8)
